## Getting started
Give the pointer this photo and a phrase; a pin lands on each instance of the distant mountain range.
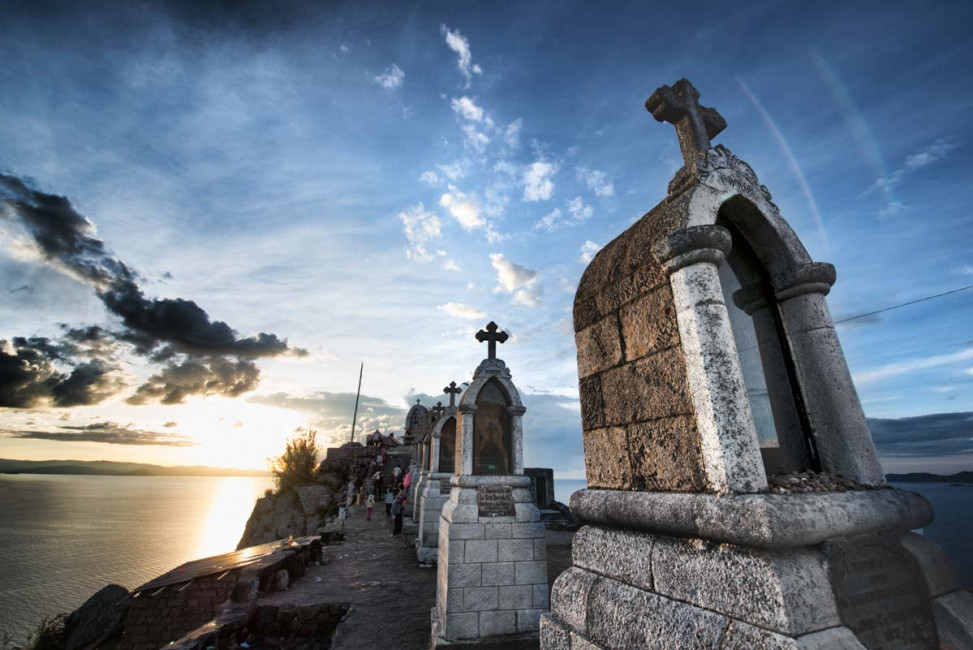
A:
(925, 477)
(111, 468)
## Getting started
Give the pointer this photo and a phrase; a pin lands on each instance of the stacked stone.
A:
(497, 578)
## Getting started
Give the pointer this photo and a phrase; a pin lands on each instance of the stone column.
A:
(837, 421)
(729, 446)
(464, 439)
(516, 414)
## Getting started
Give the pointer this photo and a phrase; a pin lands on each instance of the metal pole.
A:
(355, 416)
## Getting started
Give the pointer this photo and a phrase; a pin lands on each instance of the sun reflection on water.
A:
(231, 502)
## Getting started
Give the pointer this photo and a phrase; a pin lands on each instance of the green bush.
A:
(295, 467)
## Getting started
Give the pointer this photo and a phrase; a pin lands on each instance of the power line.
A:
(905, 304)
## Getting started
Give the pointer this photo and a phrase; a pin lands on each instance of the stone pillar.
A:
(844, 443)
(516, 414)
(728, 440)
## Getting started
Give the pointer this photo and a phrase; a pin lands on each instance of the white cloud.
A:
(538, 181)
(467, 108)
(391, 79)
(588, 250)
(451, 265)
(933, 153)
(905, 367)
(930, 154)
(430, 178)
(464, 208)
(596, 180)
(550, 221)
(517, 280)
(459, 310)
(453, 171)
(512, 133)
(458, 43)
(579, 210)
(420, 228)
(966, 269)
(475, 140)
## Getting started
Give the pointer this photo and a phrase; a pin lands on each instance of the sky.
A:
(211, 213)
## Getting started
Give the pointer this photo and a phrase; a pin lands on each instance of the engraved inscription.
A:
(495, 501)
(880, 594)
(444, 486)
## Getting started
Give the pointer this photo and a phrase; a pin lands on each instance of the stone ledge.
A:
(476, 480)
(769, 521)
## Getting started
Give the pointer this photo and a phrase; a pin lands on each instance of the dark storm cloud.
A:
(172, 330)
(30, 378)
(936, 434)
(176, 382)
(105, 432)
(65, 238)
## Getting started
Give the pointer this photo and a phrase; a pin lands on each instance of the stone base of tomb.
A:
(435, 493)
(822, 571)
(492, 562)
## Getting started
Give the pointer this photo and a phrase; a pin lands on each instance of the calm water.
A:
(64, 537)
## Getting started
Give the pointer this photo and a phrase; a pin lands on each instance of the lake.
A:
(65, 537)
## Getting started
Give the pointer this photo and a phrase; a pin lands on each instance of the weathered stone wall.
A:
(154, 621)
(636, 410)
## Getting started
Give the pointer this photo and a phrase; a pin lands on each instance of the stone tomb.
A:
(492, 573)
(418, 421)
(436, 486)
(708, 363)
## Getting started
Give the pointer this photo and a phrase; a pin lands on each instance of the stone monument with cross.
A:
(436, 486)
(425, 461)
(735, 498)
(492, 574)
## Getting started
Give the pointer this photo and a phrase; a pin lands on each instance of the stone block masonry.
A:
(496, 582)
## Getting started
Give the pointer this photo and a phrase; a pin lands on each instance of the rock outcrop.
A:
(296, 512)
(100, 618)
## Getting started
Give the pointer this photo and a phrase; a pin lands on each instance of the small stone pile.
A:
(810, 481)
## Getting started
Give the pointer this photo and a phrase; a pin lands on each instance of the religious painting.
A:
(447, 447)
(491, 431)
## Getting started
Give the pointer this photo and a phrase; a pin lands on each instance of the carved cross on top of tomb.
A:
(493, 337)
(452, 390)
(695, 125)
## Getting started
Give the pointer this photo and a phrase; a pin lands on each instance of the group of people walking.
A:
(395, 498)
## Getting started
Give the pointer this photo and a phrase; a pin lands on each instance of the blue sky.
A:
(375, 182)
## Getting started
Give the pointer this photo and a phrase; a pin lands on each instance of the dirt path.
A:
(377, 574)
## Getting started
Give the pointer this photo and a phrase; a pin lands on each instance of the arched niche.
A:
(447, 446)
(492, 439)
(773, 390)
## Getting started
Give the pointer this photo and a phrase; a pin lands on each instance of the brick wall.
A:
(154, 621)
(636, 411)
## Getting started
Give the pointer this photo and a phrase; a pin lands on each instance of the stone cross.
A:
(695, 125)
(452, 390)
(491, 335)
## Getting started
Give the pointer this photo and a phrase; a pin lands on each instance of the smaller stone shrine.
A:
(424, 452)
(492, 573)
(436, 486)
(417, 423)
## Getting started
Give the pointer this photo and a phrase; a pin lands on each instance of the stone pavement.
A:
(390, 596)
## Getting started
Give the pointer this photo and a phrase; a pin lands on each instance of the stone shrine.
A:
(710, 370)
(492, 573)
(436, 486)
(417, 423)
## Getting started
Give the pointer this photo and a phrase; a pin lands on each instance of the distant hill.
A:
(925, 477)
(111, 468)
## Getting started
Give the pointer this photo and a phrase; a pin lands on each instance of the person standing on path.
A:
(397, 508)
(389, 498)
(369, 506)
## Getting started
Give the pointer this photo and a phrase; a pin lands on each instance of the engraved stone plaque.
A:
(495, 500)
(444, 486)
(880, 594)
